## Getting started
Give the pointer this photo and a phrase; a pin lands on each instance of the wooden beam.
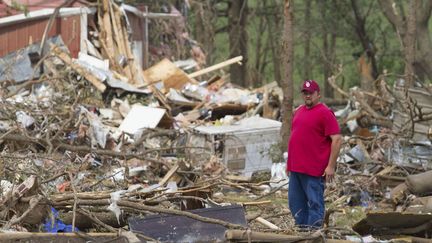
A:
(216, 67)
(88, 76)
(267, 223)
(168, 175)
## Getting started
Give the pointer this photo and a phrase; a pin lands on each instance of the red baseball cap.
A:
(310, 86)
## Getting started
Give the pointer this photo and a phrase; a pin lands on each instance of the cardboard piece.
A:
(140, 117)
(168, 73)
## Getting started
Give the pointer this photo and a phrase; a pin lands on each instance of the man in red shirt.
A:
(313, 148)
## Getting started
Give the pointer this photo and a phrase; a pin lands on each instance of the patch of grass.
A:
(347, 217)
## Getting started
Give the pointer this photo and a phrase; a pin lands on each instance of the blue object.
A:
(56, 225)
(365, 199)
(72, 136)
(306, 199)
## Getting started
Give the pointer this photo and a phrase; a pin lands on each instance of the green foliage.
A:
(20, 7)
(265, 26)
(340, 22)
(349, 217)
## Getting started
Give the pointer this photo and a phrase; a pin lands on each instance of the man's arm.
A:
(335, 148)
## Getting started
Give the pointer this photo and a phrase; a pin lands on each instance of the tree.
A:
(205, 16)
(237, 16)
(307, 40)
(329, 45)
(356, 13)
(287, 82)
(416, 33)
(274, 21)
(410, 43)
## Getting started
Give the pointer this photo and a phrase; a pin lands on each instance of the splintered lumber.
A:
(266, 223)
(135, 71)
(106, 30)
(161, 98)
(256, 203)
(216, 67)
(119, 38)
(168, 175)
(88, 76)
(169, 74)
(237, 178)
(115, 43)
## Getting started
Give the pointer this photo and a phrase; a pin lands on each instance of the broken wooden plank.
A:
(238, 178)
(106, 30)
(216, 67)
(168, 175)
(255, 203)
(136, 71)
(120, 41)
(267, 223)
(169, 74)
(161, 98)
(88, 76)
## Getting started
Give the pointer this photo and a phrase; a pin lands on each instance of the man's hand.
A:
(329, 174)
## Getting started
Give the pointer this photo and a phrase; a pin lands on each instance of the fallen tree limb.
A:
(252, 236)
(16, 220)
(106, 220)
(86, 149)
(9, 236)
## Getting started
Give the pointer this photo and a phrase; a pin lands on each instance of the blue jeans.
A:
(306, 199)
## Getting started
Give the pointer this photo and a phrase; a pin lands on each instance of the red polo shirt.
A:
(310, 143)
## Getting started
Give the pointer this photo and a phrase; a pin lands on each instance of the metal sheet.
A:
(17, 66)
(173, 228)
(248, 124)
(394, 223)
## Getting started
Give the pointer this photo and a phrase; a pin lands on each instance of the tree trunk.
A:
(287, 82)
(328, 51)
(367, 63)
(410, 44)
(237, 16)
(274, 27)
(422, 63)
(255, 75)
(204, 27)
(332, 61)
(307, 40)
